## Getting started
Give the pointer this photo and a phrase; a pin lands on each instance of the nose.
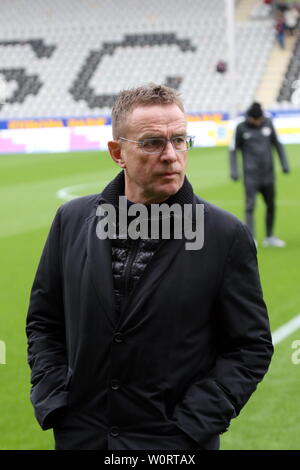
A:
(169, 153)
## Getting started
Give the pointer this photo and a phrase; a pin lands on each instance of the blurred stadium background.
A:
(62, 63)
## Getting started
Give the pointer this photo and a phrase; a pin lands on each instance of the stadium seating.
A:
(289, 92)
(70, 58)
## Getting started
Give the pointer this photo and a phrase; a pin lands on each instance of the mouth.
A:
(170, 174)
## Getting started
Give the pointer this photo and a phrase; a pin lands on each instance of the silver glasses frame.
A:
(188, 138)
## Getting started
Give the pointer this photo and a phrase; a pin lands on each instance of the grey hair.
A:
(145, 95)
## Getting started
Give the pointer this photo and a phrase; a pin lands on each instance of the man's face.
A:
(255, 121)
(151, 178)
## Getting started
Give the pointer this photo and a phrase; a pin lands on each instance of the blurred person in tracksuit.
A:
(255, 137)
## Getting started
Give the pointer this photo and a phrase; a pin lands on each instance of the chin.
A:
(168, 190)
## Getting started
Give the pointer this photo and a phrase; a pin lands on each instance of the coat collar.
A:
(116, 188)
(100, 260)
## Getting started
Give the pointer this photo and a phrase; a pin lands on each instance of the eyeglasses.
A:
(156, 145)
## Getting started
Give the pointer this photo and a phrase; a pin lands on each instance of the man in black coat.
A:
(145, 343)
(255, 137)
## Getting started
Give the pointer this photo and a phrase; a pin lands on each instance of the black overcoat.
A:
(188, 350)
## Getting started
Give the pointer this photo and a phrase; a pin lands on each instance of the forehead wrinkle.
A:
(156, 119)
(157, 129)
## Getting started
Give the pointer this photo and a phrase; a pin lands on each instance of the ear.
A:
(116, 153)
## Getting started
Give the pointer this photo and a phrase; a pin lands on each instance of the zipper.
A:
(133, 249)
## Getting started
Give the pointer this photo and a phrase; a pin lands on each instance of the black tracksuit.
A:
(255, 143)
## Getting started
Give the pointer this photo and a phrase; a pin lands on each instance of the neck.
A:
(146, 200)
(140, 197)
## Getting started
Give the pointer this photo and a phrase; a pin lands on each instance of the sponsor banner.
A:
(285, 113)
(55, 122)
(87, 133)
(63, 139)
(209, 116)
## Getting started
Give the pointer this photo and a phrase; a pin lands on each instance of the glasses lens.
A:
(157, 145)
(153, 145)
(180, 143)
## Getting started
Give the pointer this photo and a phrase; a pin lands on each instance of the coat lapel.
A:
(149, 281)
(100, 264)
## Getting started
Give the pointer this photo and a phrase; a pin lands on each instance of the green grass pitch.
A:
(28, 199)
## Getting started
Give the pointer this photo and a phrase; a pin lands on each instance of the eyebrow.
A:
(152, 135)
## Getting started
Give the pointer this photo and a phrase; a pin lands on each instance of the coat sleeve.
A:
(244, 348)
(234, 147)
(45, 330)
(280, 150)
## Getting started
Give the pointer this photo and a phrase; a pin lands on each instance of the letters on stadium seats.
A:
(82, 89)
(26, 84)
